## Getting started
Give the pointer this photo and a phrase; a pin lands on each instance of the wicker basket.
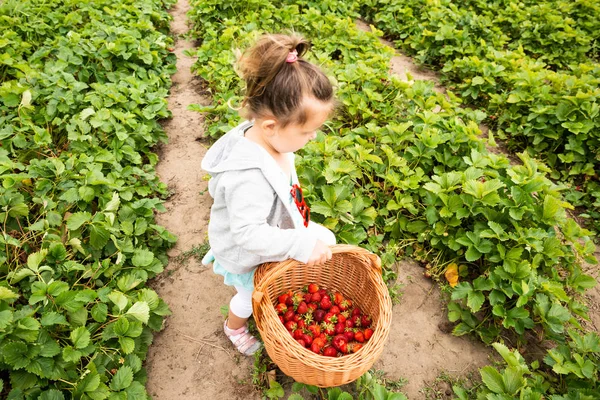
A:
(353, 271)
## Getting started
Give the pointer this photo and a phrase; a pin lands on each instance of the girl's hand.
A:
(320, 254)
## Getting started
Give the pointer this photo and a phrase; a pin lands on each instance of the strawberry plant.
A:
(557, 121)
(82, 87)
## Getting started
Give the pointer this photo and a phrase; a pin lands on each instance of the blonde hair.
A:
(275, 87)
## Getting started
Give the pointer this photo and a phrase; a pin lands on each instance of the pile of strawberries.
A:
(326, 323)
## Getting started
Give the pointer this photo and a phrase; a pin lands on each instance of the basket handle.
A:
(282, 267)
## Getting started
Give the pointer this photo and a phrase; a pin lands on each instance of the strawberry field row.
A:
(82, 85)
(545, 98)
(401, 170)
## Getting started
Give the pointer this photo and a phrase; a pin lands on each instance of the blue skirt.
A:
(244, 280)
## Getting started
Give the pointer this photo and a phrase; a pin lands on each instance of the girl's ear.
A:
(269, 126)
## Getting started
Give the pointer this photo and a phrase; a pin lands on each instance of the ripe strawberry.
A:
(307, 339)
(307, 297)
(328, 328)
(356, 311)
(340, 343)
(316, 297)
(284, 297)
(313, 288)
(301, 342)
(365, 321)
(349, 334)
(297, 298)
(320, 341)
(315, 348)
(302, 308)
(319, 315)
(315, 330)
(339, 328)
(329, 351)
(289, 301)
(281, 308)
(298, 334)
(289, 314)
(359, 336)
(345, 304)
(325, 303)
(291, 326)
(297, 318)
(313, 306)
(349, 323)
(338, 298)
(368, 333)
(341, 318)
(301, 324)
(356, 321)
(356, 347)
(322, 292)
(335, 310)
(330, 318)
(281, 319)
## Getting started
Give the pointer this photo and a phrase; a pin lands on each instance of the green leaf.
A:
(7, 295)
(122, 379)
(379, 392)
(52, 394)
(475, 300)
(100, 312)
(472, 254)
(492, 379)
(142, 258)
(333, 393)
(57, 287)
(71, 355)
(552, 210)
(113, 204)
(140, 311)
(35, 259)
(78, 219)
(58, 251)
(513, 380)
(275, 390)
(53, 318)
(98, 236)
(6, 318)
(80, 337)
(119, 299)
(295, 396)
(461, 290)
(127, 344)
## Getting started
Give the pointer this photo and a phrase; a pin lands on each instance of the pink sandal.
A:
(243, 341)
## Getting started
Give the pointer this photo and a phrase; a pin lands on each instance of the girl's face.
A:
(295, 136)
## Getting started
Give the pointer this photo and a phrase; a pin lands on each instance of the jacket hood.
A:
(233, 152)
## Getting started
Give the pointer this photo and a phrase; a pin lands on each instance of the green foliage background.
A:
(82, 86)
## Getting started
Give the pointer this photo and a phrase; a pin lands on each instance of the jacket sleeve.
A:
(249, 198)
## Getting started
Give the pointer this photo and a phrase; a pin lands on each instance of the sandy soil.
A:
(191, 358)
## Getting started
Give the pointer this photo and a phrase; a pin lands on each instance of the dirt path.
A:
(191, 358)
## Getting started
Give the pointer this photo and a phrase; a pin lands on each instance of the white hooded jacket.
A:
(250, 220)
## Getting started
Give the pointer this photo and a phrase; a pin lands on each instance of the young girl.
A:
(259, 214)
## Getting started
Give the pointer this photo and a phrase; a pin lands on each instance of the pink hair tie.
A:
(293, 56)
